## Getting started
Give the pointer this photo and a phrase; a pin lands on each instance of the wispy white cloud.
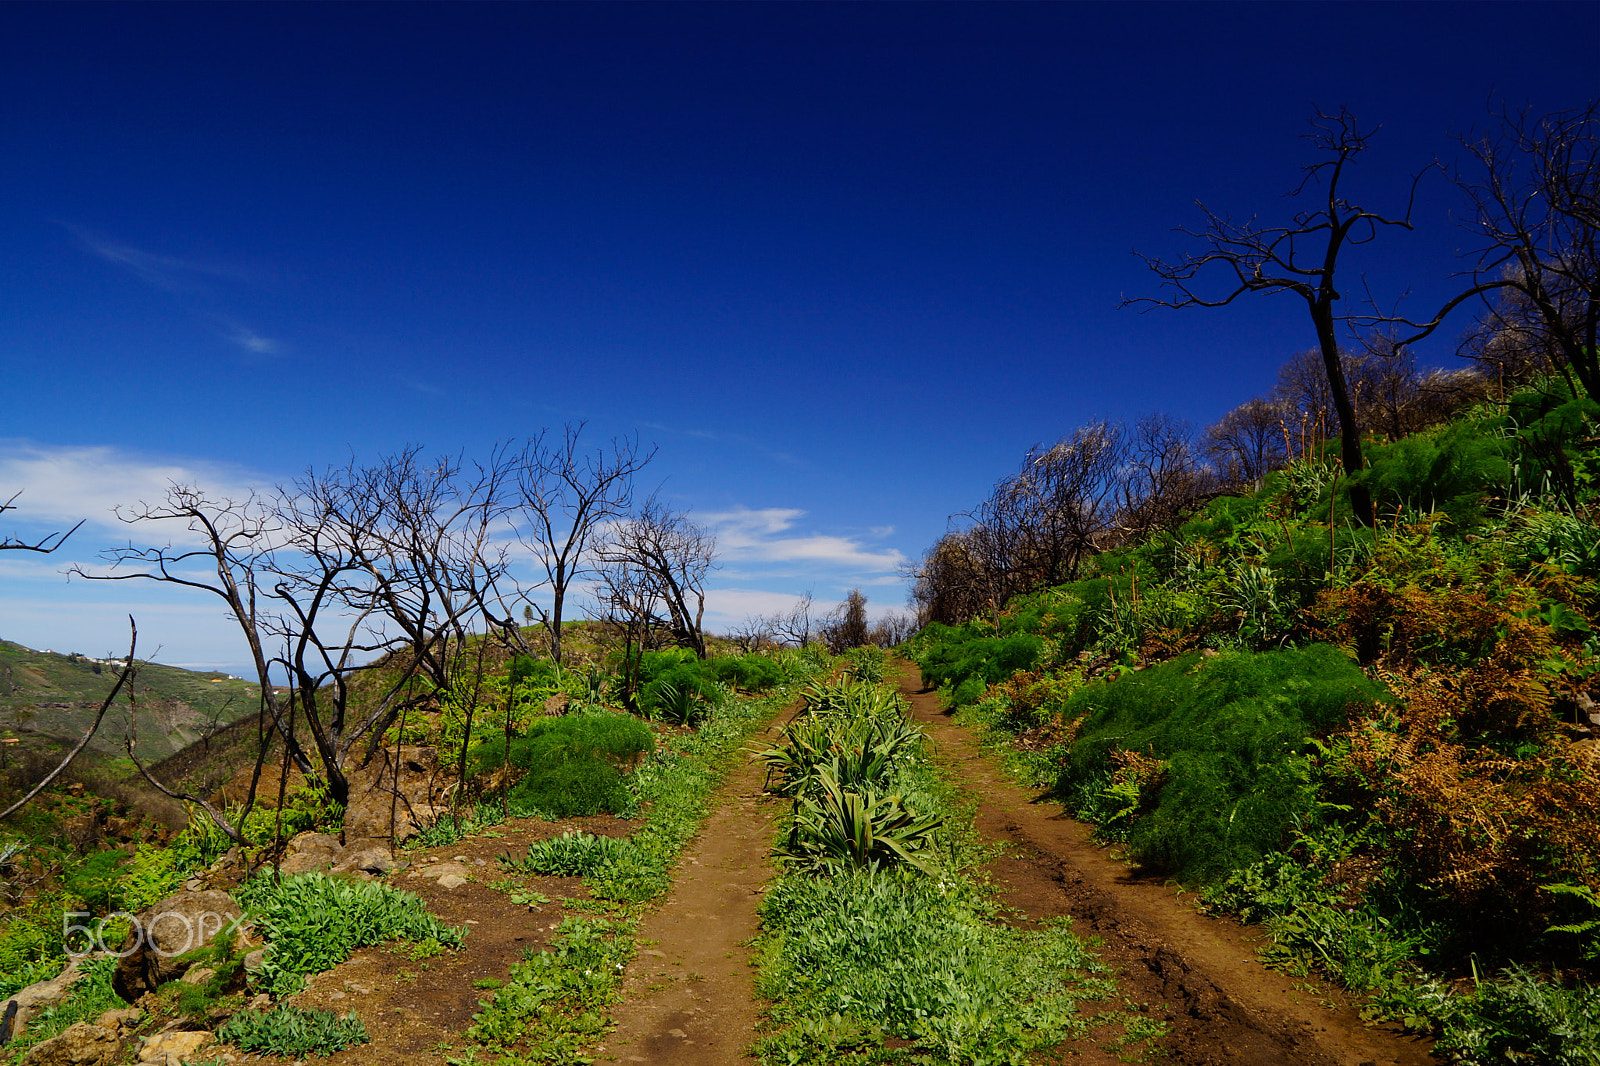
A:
(63, 483)
(165, 272)
(251, 341)
(758, 535)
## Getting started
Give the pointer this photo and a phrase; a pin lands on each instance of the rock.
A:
(171, 1049)
(21, 1006)
(374, 859)
(81, 1045)
(163, 933)
(422, 790)
(233, 793)
(310, 851)
(445, 869)
(82, 831)
(126, 1018)
(452, 882)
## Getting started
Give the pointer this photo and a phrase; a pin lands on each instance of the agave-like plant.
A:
(679, 706)
(845, 829)
(856, 751)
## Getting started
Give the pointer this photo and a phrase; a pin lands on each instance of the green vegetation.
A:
(1373, 741)
(293, 1031)
(553, 1005)
(313, 922)
(43, 697)
(574, 855)
(878, 931)
(569, 766)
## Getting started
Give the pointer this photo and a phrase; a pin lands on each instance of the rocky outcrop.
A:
(81, 1045)
(414, 797)
(173, 1049)
(27, 1001)
(311, 852)
(162, 934)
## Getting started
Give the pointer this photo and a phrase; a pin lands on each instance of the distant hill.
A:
(48, 697)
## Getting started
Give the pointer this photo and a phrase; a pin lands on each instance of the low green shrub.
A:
(1232, 733)
(569, 764)
(1521, 1017)
(573, 789)
(293, 1031)
(313, 922)
(572, 855)
(968, 663)
(91, 996)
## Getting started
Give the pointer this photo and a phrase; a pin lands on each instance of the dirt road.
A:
(689, 995)
(1224, 1007)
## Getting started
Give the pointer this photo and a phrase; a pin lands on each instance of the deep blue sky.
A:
(843, 260)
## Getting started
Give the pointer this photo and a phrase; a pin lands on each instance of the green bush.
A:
(293, 1031)
(569, 764)
(1233, 734)
(1447, 469)
(956, 658)
(572, 855)
(576, 788)
(313, 922)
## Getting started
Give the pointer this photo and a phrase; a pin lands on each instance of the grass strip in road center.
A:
(904, 962)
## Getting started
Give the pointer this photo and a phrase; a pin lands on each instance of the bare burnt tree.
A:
(1536, 205)
(44, 545)
(235, 541)
(949, 585)
(895, 627)
(360, 572)
(1039, 524)
(387, 569)
(626, 601)
(846, 625)
(754, 633)
(565, 494)
(1249, 441)
(796, 625)
(1301, 257)
(1508, 345)
(667, 559)
(1163, 478)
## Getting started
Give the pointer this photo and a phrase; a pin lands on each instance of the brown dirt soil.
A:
(1223, 1006)
(417, 1009)
(689, 996)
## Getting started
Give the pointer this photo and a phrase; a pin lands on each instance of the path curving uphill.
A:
(1223, 1006)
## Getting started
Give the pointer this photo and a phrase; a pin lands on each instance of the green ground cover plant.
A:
(91, 997)
(312, 922)
(553, 1006)
(296, 1031)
